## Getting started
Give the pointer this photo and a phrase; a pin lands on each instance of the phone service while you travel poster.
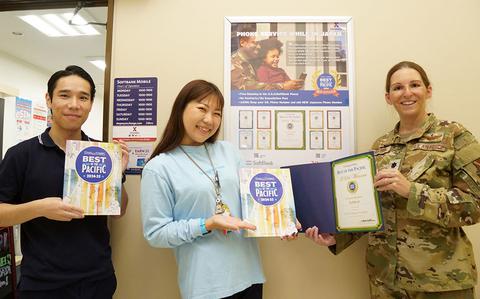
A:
(267, 202)
(93, 177)
(289, 96)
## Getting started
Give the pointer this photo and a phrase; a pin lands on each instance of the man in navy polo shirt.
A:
(65, 255)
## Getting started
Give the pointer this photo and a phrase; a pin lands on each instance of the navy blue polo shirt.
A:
(55, 253)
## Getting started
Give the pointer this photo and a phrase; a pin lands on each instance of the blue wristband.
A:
(203, 228)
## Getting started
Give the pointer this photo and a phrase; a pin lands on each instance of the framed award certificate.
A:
(245, 118)
(264, 119)
(316, 140)
(245, 139)
(334, 119)
(334, 140)
(337, 196)
(290, 130)
(356, 200)
(264, 140)
(316, 119)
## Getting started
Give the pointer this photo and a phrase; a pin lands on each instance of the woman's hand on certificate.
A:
(323, 239)
(293, 236)
(392, 180)
(226, 222)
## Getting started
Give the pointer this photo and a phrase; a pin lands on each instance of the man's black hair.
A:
(69, 71)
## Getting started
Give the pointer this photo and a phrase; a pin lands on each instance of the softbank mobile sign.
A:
(135, 109)
(135, 118)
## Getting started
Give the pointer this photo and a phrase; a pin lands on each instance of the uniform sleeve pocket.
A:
(466, 155)
(469, 174)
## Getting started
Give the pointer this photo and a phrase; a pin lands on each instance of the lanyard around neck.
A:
(216, 180)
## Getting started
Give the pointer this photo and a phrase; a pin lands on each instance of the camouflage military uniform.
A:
(424, 247)
(243, 75)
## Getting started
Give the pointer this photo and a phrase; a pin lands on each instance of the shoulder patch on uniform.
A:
(466, 155)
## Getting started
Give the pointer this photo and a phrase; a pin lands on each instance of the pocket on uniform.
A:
(383, 157)
(469, 175)
(420, 167)
(382, 151)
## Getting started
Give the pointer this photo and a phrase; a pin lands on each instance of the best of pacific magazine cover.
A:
(93, 177)
(267, 202)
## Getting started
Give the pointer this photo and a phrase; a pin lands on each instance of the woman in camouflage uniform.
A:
(429, 179)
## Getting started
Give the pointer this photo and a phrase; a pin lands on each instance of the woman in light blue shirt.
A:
(191, 201)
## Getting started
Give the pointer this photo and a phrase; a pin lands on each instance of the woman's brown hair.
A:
(174, 132)
(406, 65)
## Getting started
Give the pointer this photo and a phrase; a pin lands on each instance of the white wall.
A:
(31, 82)
(93, 126)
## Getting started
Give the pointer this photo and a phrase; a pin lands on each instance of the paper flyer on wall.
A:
(93, 177)
(337, 196)
(23, 118)
(267, 202)
(39, 119)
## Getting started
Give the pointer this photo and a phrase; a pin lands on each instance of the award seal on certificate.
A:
(338, 196)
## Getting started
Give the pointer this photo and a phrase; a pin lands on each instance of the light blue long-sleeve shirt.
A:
(175, 195)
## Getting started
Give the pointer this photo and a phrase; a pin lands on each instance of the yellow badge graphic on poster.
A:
(326, 83)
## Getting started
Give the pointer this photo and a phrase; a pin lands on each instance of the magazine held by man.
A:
(93, 177)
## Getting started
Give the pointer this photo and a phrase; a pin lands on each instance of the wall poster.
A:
(23, 118)
(289, 89)
(135, 118)
(39, 118)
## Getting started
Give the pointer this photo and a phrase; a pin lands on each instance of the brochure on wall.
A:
(267, 201)
(139, 154)
(289, 89)
(23, 118)
(93, 177)
(337, 196)
(39, 119)
(135, 118)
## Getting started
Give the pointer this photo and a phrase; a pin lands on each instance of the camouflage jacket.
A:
(423, 246)
(243, 75)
